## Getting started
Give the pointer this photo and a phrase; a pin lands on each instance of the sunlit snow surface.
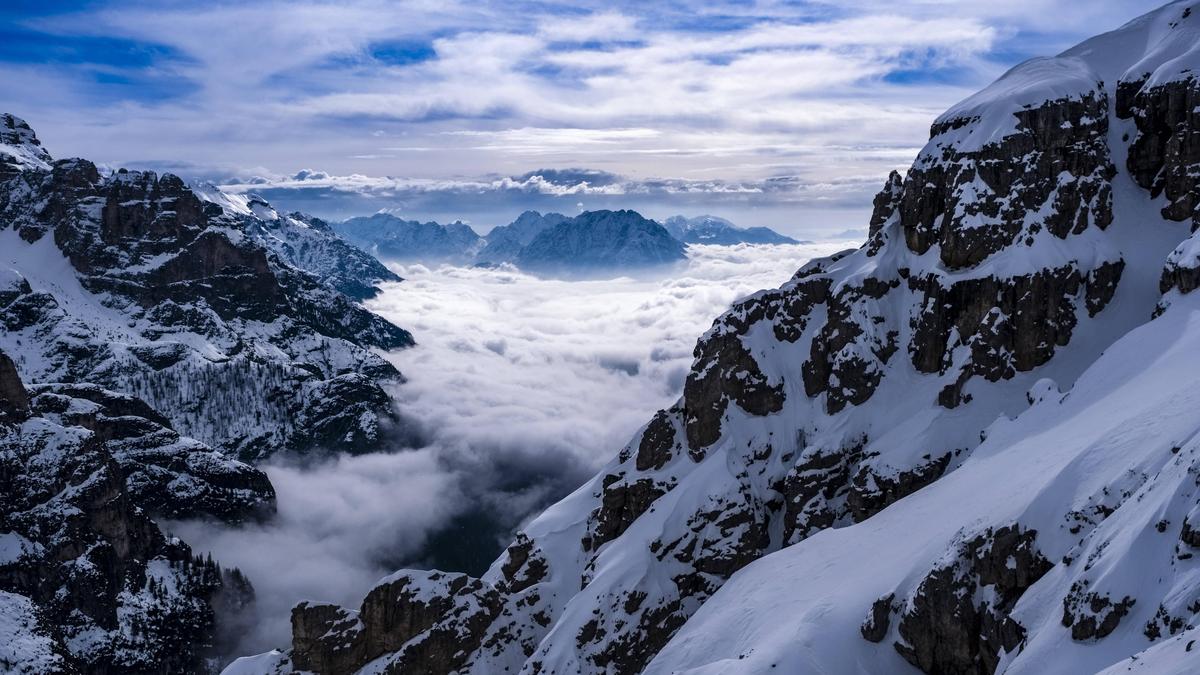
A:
(519, 387)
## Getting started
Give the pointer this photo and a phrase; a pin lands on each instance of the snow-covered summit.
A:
(19, 146)
(1152, 50)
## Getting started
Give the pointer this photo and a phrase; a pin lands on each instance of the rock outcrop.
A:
(944, 629)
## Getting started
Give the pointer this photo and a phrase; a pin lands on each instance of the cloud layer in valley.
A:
(520, 387)
(425, 106)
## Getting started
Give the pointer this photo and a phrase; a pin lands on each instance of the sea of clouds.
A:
(519, 389)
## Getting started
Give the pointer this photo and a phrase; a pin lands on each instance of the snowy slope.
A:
(19, 147)
(967, 447)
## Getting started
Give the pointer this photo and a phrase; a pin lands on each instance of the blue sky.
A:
(780, 113)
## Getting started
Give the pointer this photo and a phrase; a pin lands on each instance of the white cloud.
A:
(638, 89)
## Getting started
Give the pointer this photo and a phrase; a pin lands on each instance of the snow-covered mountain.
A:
(393, 238)
(305, 242)
(721, 232)
(601, 240)
(969, 446)
(192, 301)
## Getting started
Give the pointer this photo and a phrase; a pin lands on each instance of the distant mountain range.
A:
(551, 242)
(392, 237)
(721, 232)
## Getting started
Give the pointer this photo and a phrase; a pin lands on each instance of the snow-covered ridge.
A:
(238, 324)
(967, 447)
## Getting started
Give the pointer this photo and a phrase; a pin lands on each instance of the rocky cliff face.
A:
(887, 434)
(88, 583)
(192, 302)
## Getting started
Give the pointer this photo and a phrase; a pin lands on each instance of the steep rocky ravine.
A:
(840, 487)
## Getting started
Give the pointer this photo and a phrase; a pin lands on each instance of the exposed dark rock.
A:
(945, 632)
(204, 306)
(524, 567)
(14, 400)
(658, 444)
(630, 651)
(1009, 325)
(1163, 623)
(815, 490)
(1164, 157)
(1190, 536)
(848, 354)
(448, 612)
(165, 474)
(1092, 616)
(871, 492)
(621, 503)
(973, 204)
(112, 592)
(886, 202)
(874, 628)
(725, 370)
(310, 244)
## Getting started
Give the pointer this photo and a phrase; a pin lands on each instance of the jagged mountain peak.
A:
(19, 146)
(1154, 49)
